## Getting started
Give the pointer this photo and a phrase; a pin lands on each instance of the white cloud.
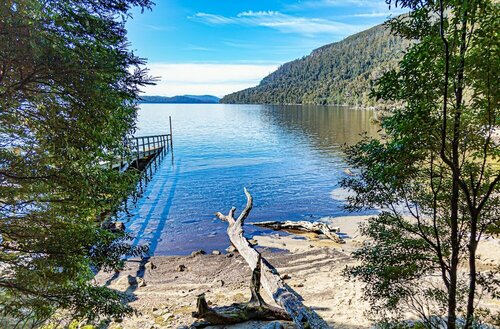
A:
(212, 19)
(370, 8)
(372, 14)
(251, 13)
(213, 79)
(378, 4)
(281, 22)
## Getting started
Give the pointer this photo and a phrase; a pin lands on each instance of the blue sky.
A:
(220, 46)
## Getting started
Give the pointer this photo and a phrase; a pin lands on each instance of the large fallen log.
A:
(255, 309)
(314, 227)
(302, 316)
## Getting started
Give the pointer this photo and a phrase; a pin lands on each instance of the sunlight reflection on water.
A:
(289, 157)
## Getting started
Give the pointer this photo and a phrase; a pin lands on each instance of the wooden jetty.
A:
(145, 153)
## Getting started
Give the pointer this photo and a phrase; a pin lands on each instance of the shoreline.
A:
(311, 265)
(166, 294)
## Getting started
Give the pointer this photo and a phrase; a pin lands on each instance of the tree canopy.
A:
(436, 172)
(340, 73)
(68, 88)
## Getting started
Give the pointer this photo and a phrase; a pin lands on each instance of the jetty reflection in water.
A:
(289, 157)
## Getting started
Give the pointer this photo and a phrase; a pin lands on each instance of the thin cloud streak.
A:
(281, 22)
(368, 4)
(385, 14)
(199, 48)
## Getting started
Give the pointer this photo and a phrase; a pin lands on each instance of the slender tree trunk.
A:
(454, 162)
(452, 287)
(459, 92)
(472, 272)
(452, 290)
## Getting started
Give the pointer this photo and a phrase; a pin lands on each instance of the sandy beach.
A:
(166, 294)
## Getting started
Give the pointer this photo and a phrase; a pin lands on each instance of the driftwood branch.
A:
(302, 316)
(314, 227)
(255, 309)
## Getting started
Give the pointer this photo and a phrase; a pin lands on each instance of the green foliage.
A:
(67, 107)
(340, 73)
(185, 99)
(435, 173)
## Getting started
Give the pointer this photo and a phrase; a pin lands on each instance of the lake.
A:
(289, 157)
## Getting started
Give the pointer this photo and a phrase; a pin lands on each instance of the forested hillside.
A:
(340, 73)
(184, 99)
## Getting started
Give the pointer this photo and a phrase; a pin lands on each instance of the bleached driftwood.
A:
(302, 316)
(314, 227)
(255, 309)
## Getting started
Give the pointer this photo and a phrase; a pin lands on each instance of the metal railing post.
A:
(138, 153)
(171, 142)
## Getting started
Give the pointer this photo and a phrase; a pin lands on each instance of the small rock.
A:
(132, 280)
(286, 277)
(218, 283)
(216, 252)
(150, 266)
(168, 315)
(231, 249)
(157, 313)
(299, 285)
(124, 282)
(198, 252)
(181, 268)
(114, 227)
(229, 255)
(141, 282)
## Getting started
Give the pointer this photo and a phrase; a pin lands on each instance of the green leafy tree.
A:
(68, 88)
(435, 174)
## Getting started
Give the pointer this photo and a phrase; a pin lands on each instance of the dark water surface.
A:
(289, 157)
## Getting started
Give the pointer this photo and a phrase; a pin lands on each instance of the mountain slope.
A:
(185, 99)
(339, 73)
(205, 98)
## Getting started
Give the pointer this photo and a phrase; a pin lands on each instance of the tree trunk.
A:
(315, 227)
(472, 273)
(302, 316)
(255, 309)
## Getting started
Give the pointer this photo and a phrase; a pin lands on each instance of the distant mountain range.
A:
(340, 73)
(184, 99)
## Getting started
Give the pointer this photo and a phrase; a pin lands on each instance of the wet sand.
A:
(166, 294)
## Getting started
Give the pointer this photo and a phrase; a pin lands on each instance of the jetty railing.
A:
(144, 154)
(150, 149)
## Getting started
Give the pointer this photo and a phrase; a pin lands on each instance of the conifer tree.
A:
(68, 88)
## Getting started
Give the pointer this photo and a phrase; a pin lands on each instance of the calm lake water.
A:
(289, 157)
